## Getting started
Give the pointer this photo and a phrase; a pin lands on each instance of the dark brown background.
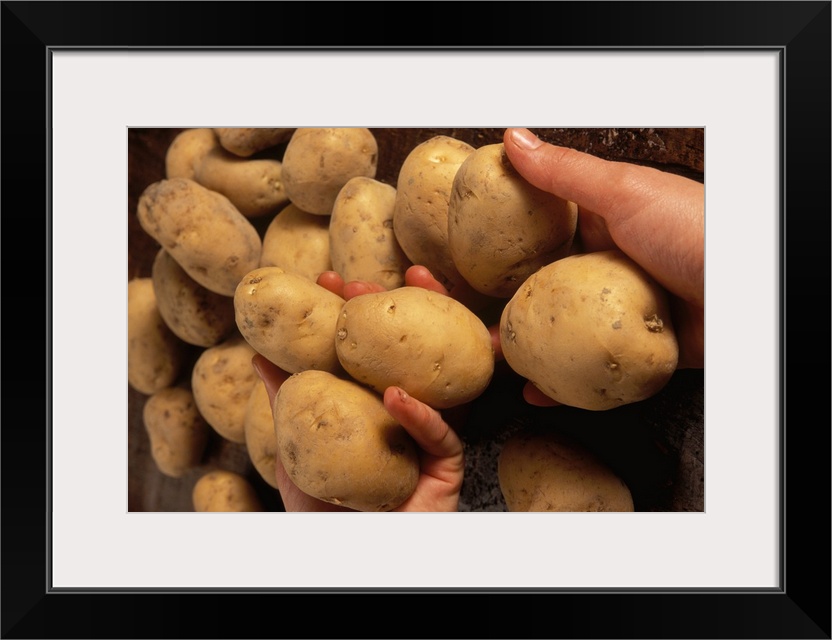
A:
(656, 446)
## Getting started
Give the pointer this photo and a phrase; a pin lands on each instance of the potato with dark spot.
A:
(592, 331)
(288, 319)
(429, 344)
(202, 230)
(297, 241)
(319, 161)
(363, 245)
(246, 141)
(225, 491)
(177, 431)
(420, 213)
(501, 228)
(549, 471)
(155, 355)
(196, 315)
(339, 444)
(222, 380)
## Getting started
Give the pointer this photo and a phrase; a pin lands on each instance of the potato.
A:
(318, 162)
(155, 356)
(501, 229)
(222, 379)
(210, 239)
(429, 344)
(261, 442)
(255, 186)
(288, 319)
(186, 152)
(363, 245)
(339, 444)
(550, 471)
(420, 213)
(246, 141)
(591, 331)
(297, 241)
(222, 490)
(178, 433)
(196, 315)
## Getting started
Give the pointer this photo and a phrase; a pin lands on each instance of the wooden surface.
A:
(656, 446)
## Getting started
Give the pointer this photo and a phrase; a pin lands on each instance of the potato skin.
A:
(196, 315)
(549, 471)
(592, 331)
(202, 230)
(363, 245)
(298, 242)
(339, 444)
(319, 161)
(178, 433)
(420, 212)
(288, 319)
(222, 379)
(225, 491)
(255, 186)
(186, 152)
(429, 344)
(501, 229)
(155, 355)
(261, 442)
(246, 141)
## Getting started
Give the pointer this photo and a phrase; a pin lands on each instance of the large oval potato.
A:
(319, 161)
(196, 315)
(177, 431)
(225, 491)
(288, 319)
(246, 141)
(186, 152)
(420, 213)
(299, 242)
(339, 444)
(222, 380)
(254, 186)
(592, 331)
(363, 245)
(429, 344)
(155, 355)
(501, 228)
(550, 471)
(202, 230)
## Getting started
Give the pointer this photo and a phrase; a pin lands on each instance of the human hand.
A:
(656, 218)
(441, 456)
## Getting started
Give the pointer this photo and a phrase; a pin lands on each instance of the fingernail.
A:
(525, 139)
(403, 395)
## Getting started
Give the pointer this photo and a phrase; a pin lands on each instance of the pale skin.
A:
(656, 218)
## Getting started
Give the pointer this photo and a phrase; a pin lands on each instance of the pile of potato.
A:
(592, 331)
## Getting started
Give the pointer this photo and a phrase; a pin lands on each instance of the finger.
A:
(271, 375)
(332, 281)
(424, 424)
(536, 397)
(419, 276)
(496, 345)
(360, 287)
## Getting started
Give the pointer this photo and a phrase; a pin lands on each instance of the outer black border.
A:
(800, 31)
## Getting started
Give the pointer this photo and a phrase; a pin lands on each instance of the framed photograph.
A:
(91, 87)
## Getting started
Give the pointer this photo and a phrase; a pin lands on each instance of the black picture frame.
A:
(800, 608)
